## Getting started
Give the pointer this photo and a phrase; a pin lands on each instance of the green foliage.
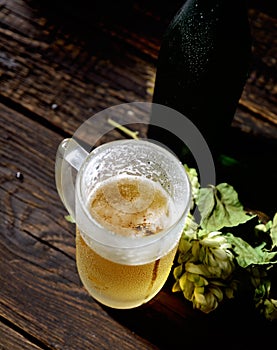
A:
(220, 207)
(211, 252)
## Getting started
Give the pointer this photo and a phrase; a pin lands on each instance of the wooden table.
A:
(61, 62)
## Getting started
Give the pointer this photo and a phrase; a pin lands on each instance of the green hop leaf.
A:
(247, 255)
(219, 207)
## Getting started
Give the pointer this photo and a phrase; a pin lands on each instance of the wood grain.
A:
(259, 95)
(41, 292)
(49, 67)
(9, 336)
(63, 76)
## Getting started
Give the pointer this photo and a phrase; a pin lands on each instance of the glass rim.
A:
(111, 239)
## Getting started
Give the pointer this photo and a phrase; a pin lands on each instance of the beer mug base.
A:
(117, 285)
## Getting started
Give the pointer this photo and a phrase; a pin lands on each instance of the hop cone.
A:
(204, 271)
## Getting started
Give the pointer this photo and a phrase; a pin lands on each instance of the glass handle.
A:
(69, 158)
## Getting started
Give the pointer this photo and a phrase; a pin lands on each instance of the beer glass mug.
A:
(129, 200)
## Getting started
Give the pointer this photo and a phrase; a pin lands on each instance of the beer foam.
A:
(132, 205)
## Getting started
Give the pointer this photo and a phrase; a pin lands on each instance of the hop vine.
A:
(211, 252)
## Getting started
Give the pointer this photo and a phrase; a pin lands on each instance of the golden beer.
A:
(129, 199)
(130, 206)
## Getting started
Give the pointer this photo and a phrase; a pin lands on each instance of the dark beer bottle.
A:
(202, 68)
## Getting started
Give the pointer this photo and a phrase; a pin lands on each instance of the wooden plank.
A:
(8, 336)
(65, 75)
(259, 95)
(45, 67)
(30, 149)
(40, 288)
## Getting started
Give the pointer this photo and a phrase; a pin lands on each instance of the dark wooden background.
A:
(61, 62)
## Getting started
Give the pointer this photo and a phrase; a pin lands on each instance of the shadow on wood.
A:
(170, 322)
